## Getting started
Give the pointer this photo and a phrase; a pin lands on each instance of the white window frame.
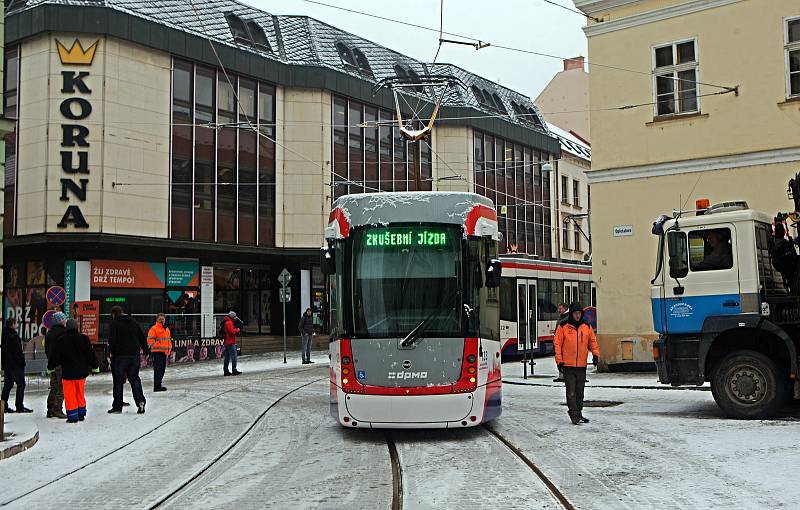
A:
(674, 69)
(788, 48)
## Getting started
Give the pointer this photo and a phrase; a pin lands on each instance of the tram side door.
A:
(527, 325)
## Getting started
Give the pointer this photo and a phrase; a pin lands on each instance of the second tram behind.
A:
(529, 296)
(414, 292)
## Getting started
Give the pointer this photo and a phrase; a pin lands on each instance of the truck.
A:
(726, 304)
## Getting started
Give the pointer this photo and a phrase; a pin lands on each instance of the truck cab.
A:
(723, 312)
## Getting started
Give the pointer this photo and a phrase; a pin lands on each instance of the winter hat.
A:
(232, 314)
(59, 317)
(72, 324)
(575, 307)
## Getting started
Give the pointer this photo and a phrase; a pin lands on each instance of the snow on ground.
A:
(656, 449)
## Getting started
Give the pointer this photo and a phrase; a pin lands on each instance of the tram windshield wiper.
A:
(413, 336)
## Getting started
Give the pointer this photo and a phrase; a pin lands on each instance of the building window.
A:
(346, 54)
(10, 96)
(223, 180)
(564, 189)
(675, 71)
(576, 200)
(238, 29)
(578, 236)
(565, 236)
(510, 175)
(371, 158)
(259, 37)
(793, 57)
(362, 62)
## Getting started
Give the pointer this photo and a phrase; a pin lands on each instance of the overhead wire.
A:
(508, 48)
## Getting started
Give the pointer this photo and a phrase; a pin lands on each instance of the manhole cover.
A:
(598, 403)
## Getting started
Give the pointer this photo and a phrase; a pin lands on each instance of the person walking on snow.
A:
(55, 399)
(75, 356)
(13, 367)
(572, 343)
(125, 342)
(159, 341)
(230, 329)
(306, 327)
(563, 316)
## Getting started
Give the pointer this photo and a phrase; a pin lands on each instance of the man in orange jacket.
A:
(159, 340)
(572, 343)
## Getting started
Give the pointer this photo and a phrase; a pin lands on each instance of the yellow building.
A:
(690, 99)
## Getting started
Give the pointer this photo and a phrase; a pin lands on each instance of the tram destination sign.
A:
(404, 238)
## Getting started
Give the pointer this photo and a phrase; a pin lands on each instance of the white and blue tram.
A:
(414, 291)
(529, 296)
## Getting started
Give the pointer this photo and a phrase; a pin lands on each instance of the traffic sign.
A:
(285, 277)
(285, 295)
(56, 295)
(47, 319)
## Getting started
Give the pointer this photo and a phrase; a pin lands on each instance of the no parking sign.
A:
(56, 295)
(47, 318)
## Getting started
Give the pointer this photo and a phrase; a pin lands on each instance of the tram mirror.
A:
(494, 272)
(327, 260)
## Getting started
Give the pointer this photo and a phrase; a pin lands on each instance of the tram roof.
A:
(467, 209)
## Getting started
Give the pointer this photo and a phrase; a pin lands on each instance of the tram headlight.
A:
(345, 380)
(472, 379)
(471, 358)
(345, 360)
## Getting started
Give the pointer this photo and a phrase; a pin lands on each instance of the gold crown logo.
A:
(76, 55)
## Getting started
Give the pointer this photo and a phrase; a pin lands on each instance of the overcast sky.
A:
(527, 24)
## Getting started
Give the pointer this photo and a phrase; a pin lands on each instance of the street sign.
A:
(285, 277)
(47, 319)
(56, 295)
(285, 295)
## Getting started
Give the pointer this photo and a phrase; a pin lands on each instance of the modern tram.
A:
(415, 327)
(529, 296)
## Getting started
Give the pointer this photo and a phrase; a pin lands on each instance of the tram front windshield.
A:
(406, 277)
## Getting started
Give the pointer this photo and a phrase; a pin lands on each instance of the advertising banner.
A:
(125, 274)
(189, 350)
(88, 316)
(183, 273)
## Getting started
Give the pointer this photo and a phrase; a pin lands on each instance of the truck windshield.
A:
(404, 276)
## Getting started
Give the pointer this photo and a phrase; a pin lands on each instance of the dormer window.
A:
(362, 62)
(499, 104)
(345, 54)
(248, 33)
(400, 71)
(478, 95)
(415, 77)
(259, 37)
(238, 29)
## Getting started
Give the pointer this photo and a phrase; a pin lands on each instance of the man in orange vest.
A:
(573, 341)
(160, 342)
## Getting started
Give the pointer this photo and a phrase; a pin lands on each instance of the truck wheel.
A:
(748, 385)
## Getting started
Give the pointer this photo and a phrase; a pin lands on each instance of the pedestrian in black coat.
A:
(13, 366)
(55, 399)
(126, 341)
(75, 356)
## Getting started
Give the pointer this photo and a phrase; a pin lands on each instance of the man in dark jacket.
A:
(306, 328)
(75, 356)
(13, 366)
(126, 341)
(55, 399)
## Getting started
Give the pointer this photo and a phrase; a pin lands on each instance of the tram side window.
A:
(549, 297)
(508, 300)
(336, 282)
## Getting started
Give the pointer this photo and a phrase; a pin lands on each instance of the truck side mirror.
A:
(677, 268)
(327, 260)
(494, 272)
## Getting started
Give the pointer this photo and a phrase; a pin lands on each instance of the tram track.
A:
(397, 472)
(201, 474)
(554, 490)
(150, 431)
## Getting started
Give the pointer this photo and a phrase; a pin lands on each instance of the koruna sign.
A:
(75, 110)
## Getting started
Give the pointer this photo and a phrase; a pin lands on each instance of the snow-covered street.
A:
(265, 439)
